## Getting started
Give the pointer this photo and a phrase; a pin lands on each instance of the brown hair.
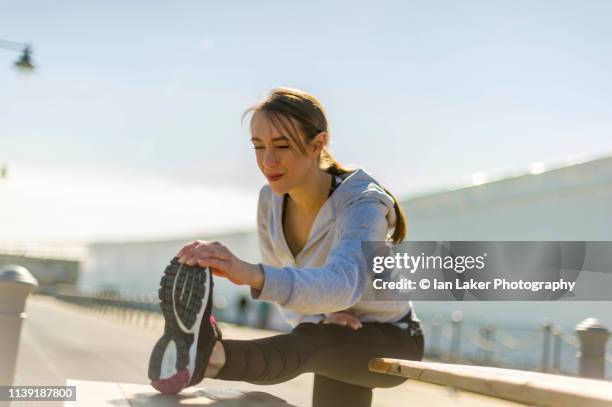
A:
(294, 113)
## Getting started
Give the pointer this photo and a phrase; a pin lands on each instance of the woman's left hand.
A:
(222, 262)
(344, 318)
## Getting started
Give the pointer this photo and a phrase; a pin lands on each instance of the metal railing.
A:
(527, 388)
(550, 348)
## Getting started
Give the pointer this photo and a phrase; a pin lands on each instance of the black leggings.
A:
(337, 355)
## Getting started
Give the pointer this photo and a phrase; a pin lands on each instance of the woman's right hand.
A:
(222, 262)
(344, 318)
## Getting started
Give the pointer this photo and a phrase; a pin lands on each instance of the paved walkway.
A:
(62, 342)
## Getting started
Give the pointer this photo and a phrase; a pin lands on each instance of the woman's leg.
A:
(336, 352)
(328, 392)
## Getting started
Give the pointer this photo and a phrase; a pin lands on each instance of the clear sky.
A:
(146, 98)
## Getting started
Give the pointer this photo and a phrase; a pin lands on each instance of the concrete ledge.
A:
(107, 394)
(516, 385)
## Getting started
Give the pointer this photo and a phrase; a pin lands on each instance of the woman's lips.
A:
(273, 178)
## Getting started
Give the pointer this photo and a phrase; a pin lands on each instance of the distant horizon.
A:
(135, 203)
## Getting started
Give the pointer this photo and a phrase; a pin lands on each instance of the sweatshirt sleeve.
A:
(339, 284)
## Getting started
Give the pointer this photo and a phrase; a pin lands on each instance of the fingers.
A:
(356, 324)
(203, 251)
(188, 248)
(343, 319)
(192, 253)
(217, 265)
(335, 322)
(353, 322)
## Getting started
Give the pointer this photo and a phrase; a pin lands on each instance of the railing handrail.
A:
(531, 388)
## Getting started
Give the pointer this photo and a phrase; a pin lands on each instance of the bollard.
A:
(16, 283)
(593, 336)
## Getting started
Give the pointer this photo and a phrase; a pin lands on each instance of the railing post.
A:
(593, 336)
(547, 330)
(436, 328)
(556, 365)
(456, 338)
(16, 283)
(487, 334)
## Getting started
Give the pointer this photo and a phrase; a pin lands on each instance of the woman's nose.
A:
(269, 157)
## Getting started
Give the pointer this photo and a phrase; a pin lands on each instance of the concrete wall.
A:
(569, 203)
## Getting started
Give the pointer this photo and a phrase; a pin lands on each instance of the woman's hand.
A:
(222, 262)
(344, 318)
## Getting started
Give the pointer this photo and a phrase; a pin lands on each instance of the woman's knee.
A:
(412, 347)
(387, 381)
(414, 351)
(419, 341)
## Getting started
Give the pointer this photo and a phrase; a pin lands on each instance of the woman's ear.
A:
(318, 142)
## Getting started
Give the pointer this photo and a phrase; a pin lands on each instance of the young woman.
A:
(312, 217)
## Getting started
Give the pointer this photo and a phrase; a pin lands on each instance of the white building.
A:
(573, 202)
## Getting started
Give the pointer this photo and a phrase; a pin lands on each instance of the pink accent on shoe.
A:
(173, 384)
(212, 319)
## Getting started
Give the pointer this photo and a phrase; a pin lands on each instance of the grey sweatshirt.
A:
(330, 272)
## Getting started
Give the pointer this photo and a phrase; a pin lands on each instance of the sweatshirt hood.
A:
(358, 185)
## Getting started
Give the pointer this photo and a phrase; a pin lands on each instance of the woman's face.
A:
(279, 159)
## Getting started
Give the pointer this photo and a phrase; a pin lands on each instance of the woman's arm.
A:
(222, 262)
(335, 286)
(340, 282)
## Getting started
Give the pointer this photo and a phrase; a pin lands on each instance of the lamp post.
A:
(24, 63)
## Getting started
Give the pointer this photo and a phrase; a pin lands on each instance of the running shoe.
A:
(180, 356)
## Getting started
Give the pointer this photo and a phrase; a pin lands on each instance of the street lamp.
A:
(24, 63)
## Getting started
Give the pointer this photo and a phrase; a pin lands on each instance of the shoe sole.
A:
(183, 296)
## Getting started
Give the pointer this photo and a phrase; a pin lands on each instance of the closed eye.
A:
(260, 148)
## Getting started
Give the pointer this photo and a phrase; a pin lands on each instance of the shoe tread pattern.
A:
(188, 294)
